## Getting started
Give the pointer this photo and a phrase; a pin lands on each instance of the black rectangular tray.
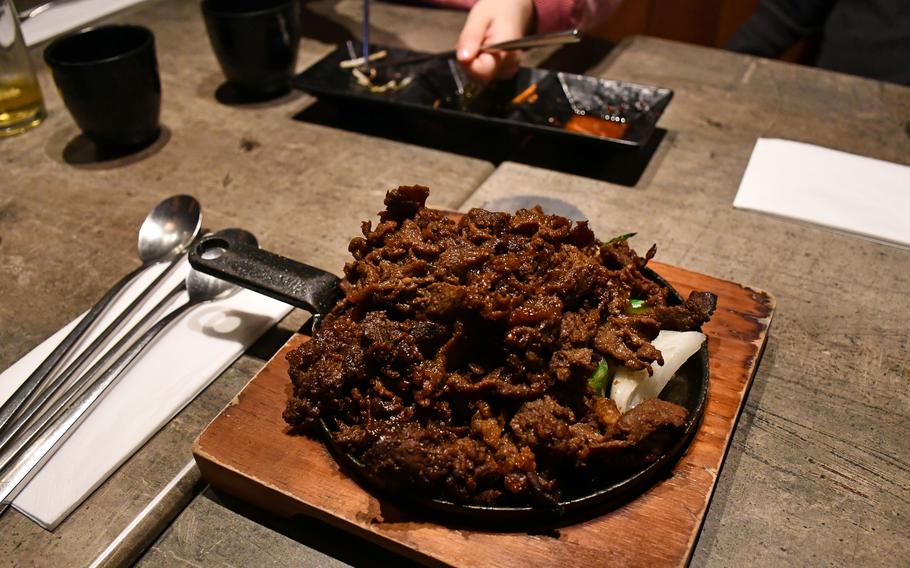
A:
(440, 87)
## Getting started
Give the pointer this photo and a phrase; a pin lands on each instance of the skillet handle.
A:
(287, 280)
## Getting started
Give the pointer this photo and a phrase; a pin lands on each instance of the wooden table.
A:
(817, 473)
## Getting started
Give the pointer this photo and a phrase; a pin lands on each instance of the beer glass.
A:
(21, 103)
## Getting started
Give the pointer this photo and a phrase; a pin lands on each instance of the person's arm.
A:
(493, 21)
(778, 24)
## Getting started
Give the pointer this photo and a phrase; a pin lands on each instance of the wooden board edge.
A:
(762, 296)
(276, 501)
(760, 344)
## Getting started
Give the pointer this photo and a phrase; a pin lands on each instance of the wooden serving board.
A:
(247, 452)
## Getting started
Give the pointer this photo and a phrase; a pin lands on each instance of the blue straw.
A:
(366, 29)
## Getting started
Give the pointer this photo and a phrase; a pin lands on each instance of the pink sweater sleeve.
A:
(556, 15)
(459, 4)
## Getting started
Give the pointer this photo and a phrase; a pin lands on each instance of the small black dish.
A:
(255, 43)
(536, 100)
(108, 78)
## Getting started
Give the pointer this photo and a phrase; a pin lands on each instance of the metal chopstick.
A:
(10, 409)
(527, 42)
(22, 458)
(25, 412)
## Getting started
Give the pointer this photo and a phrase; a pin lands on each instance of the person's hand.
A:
(492, 21)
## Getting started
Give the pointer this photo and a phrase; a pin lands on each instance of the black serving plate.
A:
(441, 88)
(315, 290)
(688, 388)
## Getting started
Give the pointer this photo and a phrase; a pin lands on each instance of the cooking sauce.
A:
(596, 126)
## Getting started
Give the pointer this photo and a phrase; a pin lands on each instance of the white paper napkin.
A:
(70, 15)
(860, 195)
(186, 357)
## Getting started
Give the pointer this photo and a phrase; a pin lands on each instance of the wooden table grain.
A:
(817, 473)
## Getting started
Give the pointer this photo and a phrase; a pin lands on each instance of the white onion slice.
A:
(632, 387)
(352, 63)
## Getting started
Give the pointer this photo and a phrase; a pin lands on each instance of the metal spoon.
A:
(43, 416)
(35, 405)
(39, 443)
(170, 227)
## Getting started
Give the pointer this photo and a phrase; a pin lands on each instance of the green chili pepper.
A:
(598, 380)
(637, 307)
(620, 238)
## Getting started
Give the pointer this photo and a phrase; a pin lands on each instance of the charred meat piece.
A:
(696, 310)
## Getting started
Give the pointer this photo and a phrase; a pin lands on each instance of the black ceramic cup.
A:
(108, 78)
(255, 42)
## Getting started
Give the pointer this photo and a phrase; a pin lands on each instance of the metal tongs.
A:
(527, 42)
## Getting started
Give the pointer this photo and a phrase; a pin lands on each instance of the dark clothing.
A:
(870, 38)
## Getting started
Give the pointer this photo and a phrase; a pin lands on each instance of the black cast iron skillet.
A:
(317, 291)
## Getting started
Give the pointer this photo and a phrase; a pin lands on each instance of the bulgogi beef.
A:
(457, 363)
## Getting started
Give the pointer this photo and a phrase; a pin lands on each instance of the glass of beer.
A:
(21, 104)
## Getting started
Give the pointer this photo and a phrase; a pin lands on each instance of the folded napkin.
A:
(65, 16)
(868, 197)
(184, 359)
